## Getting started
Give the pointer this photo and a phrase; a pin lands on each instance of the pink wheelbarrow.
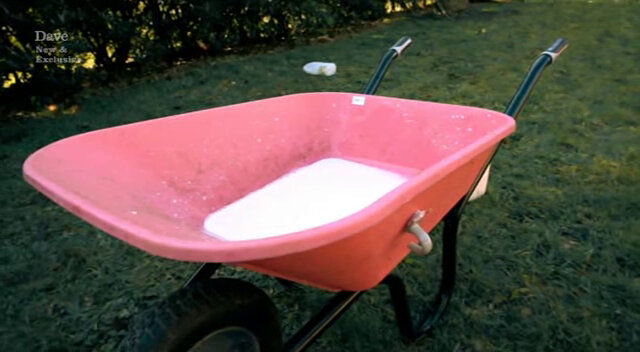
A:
(331, 190)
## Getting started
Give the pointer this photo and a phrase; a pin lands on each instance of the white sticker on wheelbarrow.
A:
(358, 100)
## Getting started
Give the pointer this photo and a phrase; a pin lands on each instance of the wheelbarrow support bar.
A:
(331, 311)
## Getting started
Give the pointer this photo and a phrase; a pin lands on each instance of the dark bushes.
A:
(108, 38)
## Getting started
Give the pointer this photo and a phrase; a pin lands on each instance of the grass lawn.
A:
(548, 260)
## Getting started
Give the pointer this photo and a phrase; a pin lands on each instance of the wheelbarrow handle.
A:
(515, 107)
(395, 51)
(556, 49)
(401, 45)
(545, 59)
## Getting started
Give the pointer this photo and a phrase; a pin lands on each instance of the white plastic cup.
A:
(320, 68)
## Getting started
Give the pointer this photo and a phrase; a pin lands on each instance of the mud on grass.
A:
(549, 259)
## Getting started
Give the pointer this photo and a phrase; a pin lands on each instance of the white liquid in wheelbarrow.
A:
(312, 196)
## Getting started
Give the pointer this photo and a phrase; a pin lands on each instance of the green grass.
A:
(549, 259)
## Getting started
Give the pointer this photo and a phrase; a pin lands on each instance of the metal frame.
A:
(341, 301)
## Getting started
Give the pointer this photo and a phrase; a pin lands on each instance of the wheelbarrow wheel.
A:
(211, 315)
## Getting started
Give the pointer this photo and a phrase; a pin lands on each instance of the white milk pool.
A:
(315, 195)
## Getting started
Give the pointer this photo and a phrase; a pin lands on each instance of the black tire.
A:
(206, 311)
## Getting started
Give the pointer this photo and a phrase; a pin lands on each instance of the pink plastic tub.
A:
(152, 184)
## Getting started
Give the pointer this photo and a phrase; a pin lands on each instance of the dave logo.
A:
(42, 36)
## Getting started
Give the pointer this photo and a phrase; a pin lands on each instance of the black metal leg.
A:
(205, 271)
(400, 306)
(321, 321)
(447, 281)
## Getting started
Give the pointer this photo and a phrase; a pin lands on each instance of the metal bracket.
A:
(425, 244)
(301, 340)
(402, 44)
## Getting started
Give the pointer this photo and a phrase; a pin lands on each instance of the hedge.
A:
(112, 37)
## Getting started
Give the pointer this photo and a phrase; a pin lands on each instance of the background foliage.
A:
(126, 36)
